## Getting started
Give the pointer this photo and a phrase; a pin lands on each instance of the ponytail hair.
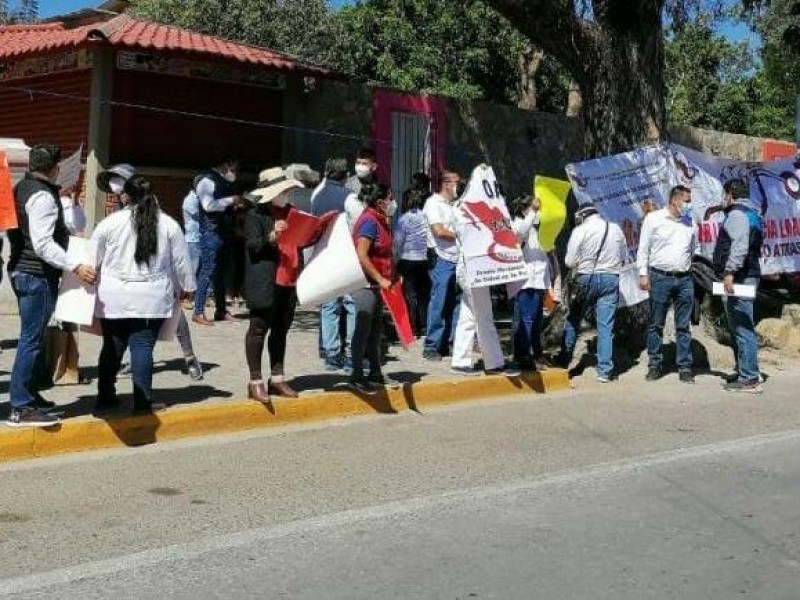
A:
(145, 217)
(372, 193)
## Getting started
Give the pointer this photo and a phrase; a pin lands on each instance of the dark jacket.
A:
(218, 222)
(23, 257)
(331, 197)
(261, 258)
(738, 249)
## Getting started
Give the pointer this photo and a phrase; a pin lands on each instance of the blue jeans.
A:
(443, 307)
(36, 298)
(528, 315)
(194, 256)
(213, 251)
(666, 291)
(329, 324)
(743, 334)
(602, 291)
(140, 335)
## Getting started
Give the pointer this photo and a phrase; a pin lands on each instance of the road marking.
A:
(191, 550)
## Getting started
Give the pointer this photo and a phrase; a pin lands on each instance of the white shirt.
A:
(205, 191)
(42, 214)
(438, 211)
(74, 215)
(584, 244)
(665, 243)
(353, 207)
(536, 259)
(127, 290)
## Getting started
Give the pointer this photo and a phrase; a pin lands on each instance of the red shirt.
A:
(289, 261)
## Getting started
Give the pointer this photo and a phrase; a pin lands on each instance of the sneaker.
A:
(734, 377)
(654, 374)
(464, 371)
(508, 371)
(432, 355)
(541, 364)
(362, 386)
(194, 369)
(42, 404)
(334, 365)
(31, 417)
(753, 387)
(604, 379)
(686, 377)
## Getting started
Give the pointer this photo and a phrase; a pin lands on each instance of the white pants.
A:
(476, 318)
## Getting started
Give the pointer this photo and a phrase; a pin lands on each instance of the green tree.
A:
(460, 49)
(296, 27)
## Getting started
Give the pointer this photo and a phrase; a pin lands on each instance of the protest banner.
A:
(69, 170)
(8, 210)
(76, 300)
(334, 269)
(552, 193)
(489, 246)
(304, 229)
(395, 303)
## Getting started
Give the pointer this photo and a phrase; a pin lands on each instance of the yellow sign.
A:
(552, 193)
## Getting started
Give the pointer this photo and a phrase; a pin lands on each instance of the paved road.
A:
(622, 491)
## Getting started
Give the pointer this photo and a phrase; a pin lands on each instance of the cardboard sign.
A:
(69, 170)
(490, 248)
(8, 209)
(395, 303)
(76, 300)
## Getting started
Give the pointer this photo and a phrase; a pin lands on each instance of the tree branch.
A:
(552, 25)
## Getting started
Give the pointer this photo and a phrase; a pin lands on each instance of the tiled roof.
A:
(125, 32)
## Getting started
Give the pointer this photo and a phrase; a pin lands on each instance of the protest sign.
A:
(304, 229)
(489, 246)
(76, 300)
(334, 269)
(69, 170)
(552, 193)
(8, 210)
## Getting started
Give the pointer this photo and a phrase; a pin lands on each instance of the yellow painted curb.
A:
(90, 433)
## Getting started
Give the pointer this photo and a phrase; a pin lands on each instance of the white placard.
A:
(630, 294)
(69, 170)
(489, 245)
(334, 269)
(740, 290)
(76, 299)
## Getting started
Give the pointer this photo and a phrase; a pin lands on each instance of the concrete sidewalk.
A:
(217, 404)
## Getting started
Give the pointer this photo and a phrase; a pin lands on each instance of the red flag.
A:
(396, 305)
(8, 210)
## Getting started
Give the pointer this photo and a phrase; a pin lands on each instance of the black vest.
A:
(219, 222)
(752, 264)
(23, 258)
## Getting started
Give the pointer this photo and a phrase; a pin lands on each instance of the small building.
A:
(170, 101)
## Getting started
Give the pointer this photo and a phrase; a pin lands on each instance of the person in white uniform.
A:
(144, 265)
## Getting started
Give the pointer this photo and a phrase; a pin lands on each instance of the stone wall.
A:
(718, 143)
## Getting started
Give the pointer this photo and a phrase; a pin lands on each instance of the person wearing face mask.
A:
(445, 293)
(365, 167)
(112, 181)
(373, 239)
(217, 194)
(666, 246)
(271, 272)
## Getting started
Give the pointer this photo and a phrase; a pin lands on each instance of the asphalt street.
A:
(619, 491)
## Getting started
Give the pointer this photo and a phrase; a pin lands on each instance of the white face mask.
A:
(116, 184)
(230, 176)
(363, 171)
(280, 201)
(391, 209)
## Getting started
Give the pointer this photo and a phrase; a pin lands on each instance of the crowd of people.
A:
(148, 264)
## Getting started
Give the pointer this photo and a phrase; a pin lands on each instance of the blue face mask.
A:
(686, 211)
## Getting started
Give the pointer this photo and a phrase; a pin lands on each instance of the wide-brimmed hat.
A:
(124, 171)
(272, 183)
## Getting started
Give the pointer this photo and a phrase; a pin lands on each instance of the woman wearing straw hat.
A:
(271, 271)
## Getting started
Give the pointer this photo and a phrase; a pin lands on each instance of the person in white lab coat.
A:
(144, 265)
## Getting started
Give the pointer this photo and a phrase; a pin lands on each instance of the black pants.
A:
(367, 334)
(118, 334)
(417, 291)
(275, 322)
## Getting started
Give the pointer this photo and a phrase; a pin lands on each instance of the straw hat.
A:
(272, 183)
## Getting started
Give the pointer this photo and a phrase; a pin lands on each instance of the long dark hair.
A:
(145, 217)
